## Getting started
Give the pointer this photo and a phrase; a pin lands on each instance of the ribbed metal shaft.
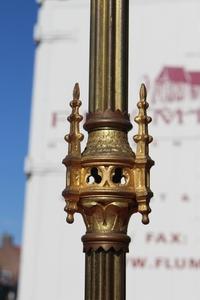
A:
(108, 87)
(105, 275)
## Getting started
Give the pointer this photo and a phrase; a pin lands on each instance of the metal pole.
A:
(105, 275)
(109, 55)
(108, 182)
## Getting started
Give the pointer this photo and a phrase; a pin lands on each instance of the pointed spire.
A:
(73, 159)
(143, 92)
(76, 92)
(143, 161)
(75, 137)
(142, 138)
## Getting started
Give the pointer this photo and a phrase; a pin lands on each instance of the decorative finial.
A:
(143, 92)
(142, 138)
(73, 160)
(143, 160)
(76, 92)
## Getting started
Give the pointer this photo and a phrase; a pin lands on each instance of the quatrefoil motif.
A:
(94, 176)
(107, 176)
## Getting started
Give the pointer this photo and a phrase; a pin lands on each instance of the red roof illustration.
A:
(194, 78)
(174, 74)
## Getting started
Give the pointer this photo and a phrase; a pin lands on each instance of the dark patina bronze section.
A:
(108, 119)
(105, 275)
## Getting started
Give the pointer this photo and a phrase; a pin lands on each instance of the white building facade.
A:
(164, 258)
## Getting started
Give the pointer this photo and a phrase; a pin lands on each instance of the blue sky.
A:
(17, 19)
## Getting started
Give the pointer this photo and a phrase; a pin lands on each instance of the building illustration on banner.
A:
(176, 84)
(179, 87)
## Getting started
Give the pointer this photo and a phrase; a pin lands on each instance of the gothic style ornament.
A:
(107, 182)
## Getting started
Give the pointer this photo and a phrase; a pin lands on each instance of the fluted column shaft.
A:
(105, 275)
(108, 88)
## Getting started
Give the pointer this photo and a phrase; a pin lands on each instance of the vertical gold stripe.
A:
(104, 54)
(92, 56)
(118, 57)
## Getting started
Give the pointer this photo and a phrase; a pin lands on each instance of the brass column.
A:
(107, 182)
(109, 55)
(105, 273)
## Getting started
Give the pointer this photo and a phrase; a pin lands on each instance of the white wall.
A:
(162, 33)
